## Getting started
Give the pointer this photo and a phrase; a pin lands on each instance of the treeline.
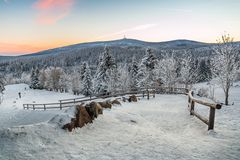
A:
(74, 57)
(109, 76)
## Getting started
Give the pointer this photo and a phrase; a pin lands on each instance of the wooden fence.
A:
(66, 103)
(212, 106)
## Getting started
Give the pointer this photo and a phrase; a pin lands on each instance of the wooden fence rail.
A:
(213, 106)
(66, 103)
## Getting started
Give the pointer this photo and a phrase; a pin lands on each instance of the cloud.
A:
(130, 30)
(50, 11)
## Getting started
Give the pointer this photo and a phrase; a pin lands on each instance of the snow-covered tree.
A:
(188, 73)
(87, 89)
(114, 83)
(141, 76)
(134, 69)
(204, 71)
(146, 75)
(2, 83)
(35, 83)
(149, 60)
(105, 69)
(83, 70)
(225, 63)
(55, 78)
(125, 78)
(167, 70)
(42, 79)
(75, 83)
(64, 82)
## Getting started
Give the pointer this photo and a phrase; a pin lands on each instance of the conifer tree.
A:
(134, 73)
(146, 75)
(83, 70)
(104, 72)
(35, 83)
(2, 82)
(87, 82)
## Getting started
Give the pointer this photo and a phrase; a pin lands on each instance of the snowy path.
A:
(157, 129)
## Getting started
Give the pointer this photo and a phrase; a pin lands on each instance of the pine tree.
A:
(141, 76)
(35, 83)
(104, 72)
(83, 70)
(147, 74)
(150, 60)
(87, 82)
(134, 73)
(2, 82)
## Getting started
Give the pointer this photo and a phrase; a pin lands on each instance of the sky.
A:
(28, 26)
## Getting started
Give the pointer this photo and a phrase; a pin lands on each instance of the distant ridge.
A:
(125, 42)
(181, 43)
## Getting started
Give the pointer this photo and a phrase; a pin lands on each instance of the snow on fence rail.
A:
(66, 103)
(212, 106)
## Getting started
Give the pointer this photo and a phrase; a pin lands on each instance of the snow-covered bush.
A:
(203, 92)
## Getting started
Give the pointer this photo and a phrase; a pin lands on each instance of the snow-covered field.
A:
(160, 128)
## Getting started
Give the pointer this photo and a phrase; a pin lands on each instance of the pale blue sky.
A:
(32, 25)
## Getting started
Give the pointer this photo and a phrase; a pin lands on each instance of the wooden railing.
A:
(212, 106)
(66, 103)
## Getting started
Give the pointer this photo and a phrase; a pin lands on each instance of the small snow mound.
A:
(61, 119)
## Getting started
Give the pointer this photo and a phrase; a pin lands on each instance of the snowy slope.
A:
(160, 128)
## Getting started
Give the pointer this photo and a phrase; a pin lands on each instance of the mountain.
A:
(175, 44)
(122, 50)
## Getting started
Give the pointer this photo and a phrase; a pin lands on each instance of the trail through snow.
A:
(159, 128)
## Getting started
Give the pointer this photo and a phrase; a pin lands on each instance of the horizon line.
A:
(99, 41)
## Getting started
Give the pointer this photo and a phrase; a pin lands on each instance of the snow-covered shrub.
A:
(203, 92)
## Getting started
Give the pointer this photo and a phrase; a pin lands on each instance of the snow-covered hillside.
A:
(160, 128)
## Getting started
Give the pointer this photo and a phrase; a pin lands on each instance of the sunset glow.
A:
(35, 25)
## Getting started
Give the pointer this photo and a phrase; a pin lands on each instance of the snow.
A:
(159, 128)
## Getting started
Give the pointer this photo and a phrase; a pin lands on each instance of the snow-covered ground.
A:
(160, 128)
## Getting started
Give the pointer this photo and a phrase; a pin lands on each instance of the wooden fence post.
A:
(192, 104)
(143, 94)
(33, 107)
(211, 118)
(154, 91)
(147, 94)
(60, 105)
(44, 106)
